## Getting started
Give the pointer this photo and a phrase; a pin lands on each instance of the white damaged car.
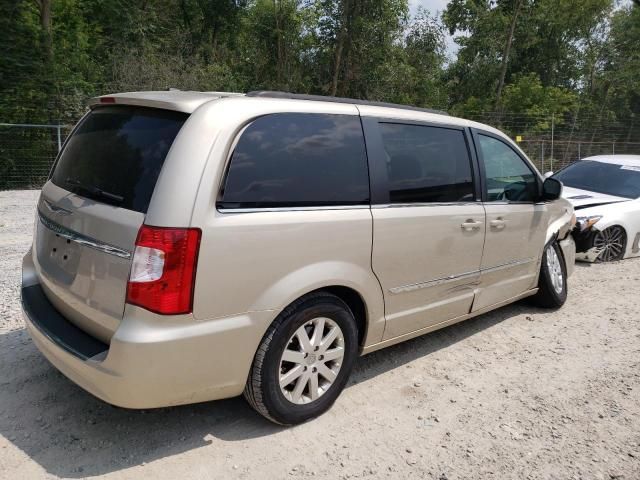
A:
(605, 193)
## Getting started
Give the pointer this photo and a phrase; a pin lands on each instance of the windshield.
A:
(116, 153)
(607, 178)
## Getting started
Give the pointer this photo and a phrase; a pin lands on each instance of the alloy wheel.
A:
(311, 360)
(610, 244)
(554, 266)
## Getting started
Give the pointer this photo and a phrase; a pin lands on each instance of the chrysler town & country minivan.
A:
(195, 246)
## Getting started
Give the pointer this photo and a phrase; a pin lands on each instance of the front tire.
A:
(552, 284)
(304, 360)
(612, 243)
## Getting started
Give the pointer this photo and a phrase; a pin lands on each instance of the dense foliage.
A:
(577, 60)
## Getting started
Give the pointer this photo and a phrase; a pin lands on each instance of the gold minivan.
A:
(193, 246)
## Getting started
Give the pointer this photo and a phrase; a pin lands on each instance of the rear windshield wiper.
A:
(95, 190)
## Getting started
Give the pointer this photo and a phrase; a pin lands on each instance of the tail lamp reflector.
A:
(163, 270)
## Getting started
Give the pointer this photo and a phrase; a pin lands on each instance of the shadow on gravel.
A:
(583, 265)
(70, 433)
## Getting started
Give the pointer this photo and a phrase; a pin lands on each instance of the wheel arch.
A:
(355, 285)
(356, 304)
(352, 298)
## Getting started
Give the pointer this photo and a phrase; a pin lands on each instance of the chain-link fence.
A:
(554, 141)
(27, 151)
(565, 152)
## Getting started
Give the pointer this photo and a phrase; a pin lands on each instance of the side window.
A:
(508, 177)
(298, 160)
(427, 164)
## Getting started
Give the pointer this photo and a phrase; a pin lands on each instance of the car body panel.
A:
(82, 254)
(427, 264)
(157, 362)
(580, 198)
(511, 256)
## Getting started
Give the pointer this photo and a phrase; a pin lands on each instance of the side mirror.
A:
(548, 174)
(551, 189)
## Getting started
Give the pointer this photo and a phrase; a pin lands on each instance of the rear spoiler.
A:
(175, 100)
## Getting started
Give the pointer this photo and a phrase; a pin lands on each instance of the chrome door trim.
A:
(426, 204)
(78, 238)
(453, 278)
(432, 283)
(504, 266)
(293, 209)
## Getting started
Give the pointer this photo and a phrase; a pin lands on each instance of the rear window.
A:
(116, 154)
(298, 160)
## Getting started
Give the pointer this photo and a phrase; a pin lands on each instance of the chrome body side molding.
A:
(461, 276)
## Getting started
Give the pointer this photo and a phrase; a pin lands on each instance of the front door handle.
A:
(498, 224)
(470, 225)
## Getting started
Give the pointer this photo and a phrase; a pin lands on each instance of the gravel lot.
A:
(518, 393)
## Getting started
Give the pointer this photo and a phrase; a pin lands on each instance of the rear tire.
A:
(552, 284)
(290, 380)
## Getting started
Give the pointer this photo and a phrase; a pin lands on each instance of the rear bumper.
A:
(151, 361)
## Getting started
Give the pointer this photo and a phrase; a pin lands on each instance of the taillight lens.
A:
(163, 272)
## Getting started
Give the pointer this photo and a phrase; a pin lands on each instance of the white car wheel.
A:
(610, 243)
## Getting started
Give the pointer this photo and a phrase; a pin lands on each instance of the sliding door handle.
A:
(498, 224)
(471, 225)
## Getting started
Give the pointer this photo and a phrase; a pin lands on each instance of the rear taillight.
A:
(163, 272)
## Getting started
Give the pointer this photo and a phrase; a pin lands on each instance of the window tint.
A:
(116, 154)
(508, 177)
(298, 159)
(427, 164)
(607, 178)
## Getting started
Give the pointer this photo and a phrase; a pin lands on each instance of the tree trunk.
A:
(279, 44)
(598, 125)
(507, 51)
(339, 48)
(45, 25)
(186, 18)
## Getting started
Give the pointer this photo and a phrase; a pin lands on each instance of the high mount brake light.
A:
(163, 272)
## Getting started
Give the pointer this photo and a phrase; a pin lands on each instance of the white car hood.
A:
(584, 198)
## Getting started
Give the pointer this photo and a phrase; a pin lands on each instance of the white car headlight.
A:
(585, 223)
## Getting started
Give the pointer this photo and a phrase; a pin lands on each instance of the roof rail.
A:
(322, 98)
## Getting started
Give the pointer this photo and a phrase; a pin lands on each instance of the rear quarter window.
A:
(116, 153)
(298, 160)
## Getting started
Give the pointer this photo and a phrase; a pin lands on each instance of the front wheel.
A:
(552, 285)
(304, 360)
(611, 244)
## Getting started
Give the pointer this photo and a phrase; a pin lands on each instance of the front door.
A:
(516, 223)
(429, 230)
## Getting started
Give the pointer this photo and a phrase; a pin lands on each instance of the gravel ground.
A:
(517, 393)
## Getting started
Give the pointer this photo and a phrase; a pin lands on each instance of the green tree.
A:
(413, 73)
(501, 38)
(273, 42)
(356, 39)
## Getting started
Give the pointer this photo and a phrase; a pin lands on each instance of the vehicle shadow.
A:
(584, 264)
(70, 433)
